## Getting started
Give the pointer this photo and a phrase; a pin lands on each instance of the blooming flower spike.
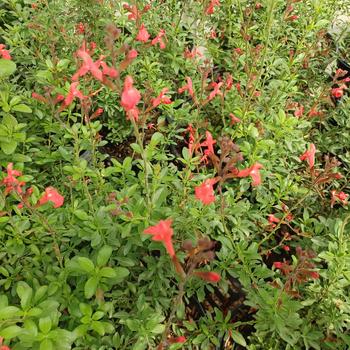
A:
(143, 34)
(163, 232)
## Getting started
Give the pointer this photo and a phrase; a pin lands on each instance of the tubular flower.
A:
(209, 143)
(10, 181)
(159, 39)
(188, 87)
(210, 9)
(5, 54)
(309, 155)
(205, 191)
(253, 172)
(51, 195)
(216, 90)
(161, 98)
(163, 232)
(143, 34)
(88, 66)
(73, 92)
(174, 340)
(234, 119)
(110, 71)
(208, 276)
(130, 98)
(338, 196)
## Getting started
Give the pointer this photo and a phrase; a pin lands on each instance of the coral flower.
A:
(130, 98)
(161, 98)
(188, 87)
(174, 340)
(159, 39)
(309, 156)
(205, 191)
(234, 119)
(5, 54)
(210, 9)
(143, 34)
(73, 92)
(88, 66)
(163, 232)
(216, 90)
(10, 181)
(338, 196)
(208, 276)
(51, 195)
(253, 172)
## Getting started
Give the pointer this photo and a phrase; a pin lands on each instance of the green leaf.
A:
(108, 272)
(121, 272)
(9, 147)
(238, 338)
(21, 108)
(103, 255)
(11, 332)
(81, 214)
(45, 324)
(46, 344)
(7, 67)
(90, 287)
(86, 264)
(8, 312)
(24, 291)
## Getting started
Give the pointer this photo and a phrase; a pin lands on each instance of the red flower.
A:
(130, 98)
(110, 71)
(205, 191)
(286, 248)
(309, 156)
(292, 18)
(216, 90)
(3, 347)
(234, 119)
(209, 142)
(299, 111)
(278, 264)
(163, 232)
(337, 92)
(161, 98)
(253, 172)
(238, 51)
(80, 28)
(159, 39)
(338, 196)
(88, 66)
(180, 339)
(272, 219)
(73, 92)
(51, 195)
(208, 276)
(10, 181)
(143, 34)
(134, 13)
(192, 54)
(210, 9)
(229, 82)
(188, 87)
(59, 98)
(5, 54)
(132, 54)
